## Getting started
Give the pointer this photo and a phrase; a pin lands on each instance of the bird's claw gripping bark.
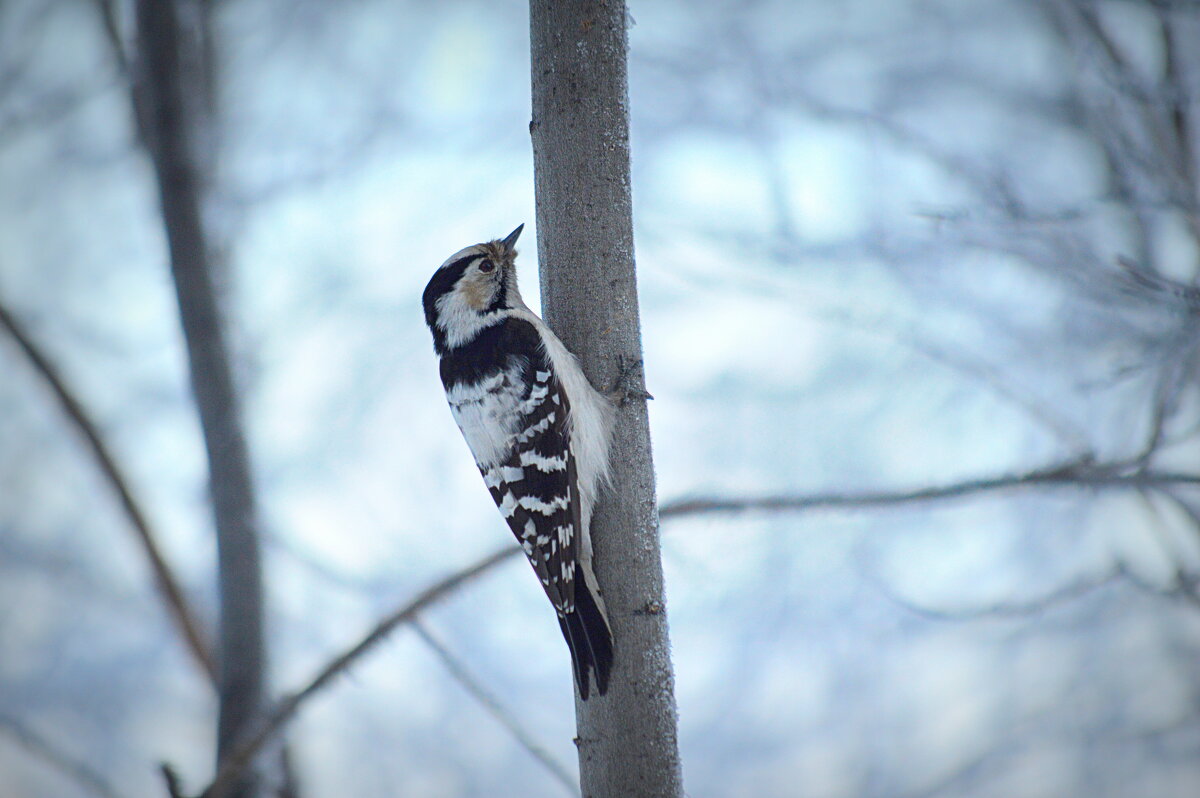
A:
(628, 385)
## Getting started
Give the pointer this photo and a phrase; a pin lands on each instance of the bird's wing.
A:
(534, 487)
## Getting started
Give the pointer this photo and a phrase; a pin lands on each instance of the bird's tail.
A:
(590, 640)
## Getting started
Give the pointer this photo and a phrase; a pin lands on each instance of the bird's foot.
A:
(631, 376)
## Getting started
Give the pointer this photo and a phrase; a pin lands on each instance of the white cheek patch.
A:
(477, 291)
(460, 321)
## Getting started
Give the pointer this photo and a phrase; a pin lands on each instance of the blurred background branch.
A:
(495, 707)
(233, 766)
(168, 585)
(1076, 474)
(175, 103)
(63, 763)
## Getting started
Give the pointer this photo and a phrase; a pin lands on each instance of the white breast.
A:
(489, 415)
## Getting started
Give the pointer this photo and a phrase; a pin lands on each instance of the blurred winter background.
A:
(922, 270)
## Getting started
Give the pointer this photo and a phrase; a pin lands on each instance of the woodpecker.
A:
(537, 428)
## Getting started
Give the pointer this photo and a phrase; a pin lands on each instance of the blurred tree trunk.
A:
(164, 93)
(627, 739)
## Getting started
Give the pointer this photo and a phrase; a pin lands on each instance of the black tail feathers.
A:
(590, 641)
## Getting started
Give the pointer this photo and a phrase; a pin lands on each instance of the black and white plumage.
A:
(538, 430)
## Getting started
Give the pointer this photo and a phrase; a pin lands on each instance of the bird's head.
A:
(471, 291)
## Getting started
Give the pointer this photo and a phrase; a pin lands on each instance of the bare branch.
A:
(112, 32)
(244, 752)
(1188, 508)
(1081, 31)
(28, 103)
(1186, 584)
(1181, 113)
(171, 778)
(1009, 609)
(1161, 289)
(168, 586)
(1090, 22)
(124, 64)
(1144, 126)
(1167, 389)
(1185, 588)
(36, 744)
(289, 786)
(169, 134)
(497, 710)
(1072, 474)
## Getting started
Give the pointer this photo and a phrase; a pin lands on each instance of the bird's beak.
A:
(510, 240)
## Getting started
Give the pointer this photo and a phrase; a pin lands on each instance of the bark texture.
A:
(160, 97)
(580, 129)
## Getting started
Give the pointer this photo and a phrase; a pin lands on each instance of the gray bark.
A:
(627, 739)
(161, 98)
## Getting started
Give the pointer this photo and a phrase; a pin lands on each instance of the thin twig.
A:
(79, 772)
(497, 710)
(978, 369)
(1160, 288)
(1073, 474)
(1175, 87)
(171, 778)
(168, 585)
(1186, 584)
(1082, 33)
(1010, 609)
(242, 754)
(1186, 507)
(112, 32)
(124, 64)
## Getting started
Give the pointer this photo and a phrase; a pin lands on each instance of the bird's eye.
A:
(486, 266)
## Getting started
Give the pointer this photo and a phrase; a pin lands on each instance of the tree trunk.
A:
(627, 739)
(160, 96)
